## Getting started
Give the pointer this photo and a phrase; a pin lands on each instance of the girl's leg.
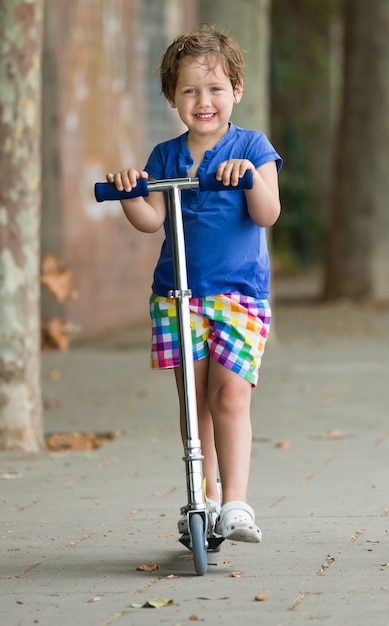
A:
(206, 429)
(229, 400)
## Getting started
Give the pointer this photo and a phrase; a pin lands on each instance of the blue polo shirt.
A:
(225, 250)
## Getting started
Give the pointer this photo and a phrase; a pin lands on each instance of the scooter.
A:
(201, 536)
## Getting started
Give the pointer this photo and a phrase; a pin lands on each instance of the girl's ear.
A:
(238, 92)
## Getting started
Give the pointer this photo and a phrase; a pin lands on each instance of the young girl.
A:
(227, 259)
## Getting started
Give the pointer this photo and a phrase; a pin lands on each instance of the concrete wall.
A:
(102, 111)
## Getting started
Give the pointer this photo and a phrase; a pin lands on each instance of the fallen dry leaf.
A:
(282, 444)
(236, 574)
(57, 277)
(298, 600)
(327, 563)
(147, 567)
(261, 597)
(79, 441)
(153, 604)
(51, 404)
(55, 334)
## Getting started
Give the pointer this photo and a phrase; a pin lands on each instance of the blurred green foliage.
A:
(305, 77)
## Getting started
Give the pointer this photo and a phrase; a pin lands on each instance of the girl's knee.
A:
(231, 394)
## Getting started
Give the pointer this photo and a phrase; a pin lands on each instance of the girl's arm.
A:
(263, 200)
(145, 214)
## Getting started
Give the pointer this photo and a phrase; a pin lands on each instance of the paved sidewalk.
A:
(76, 526)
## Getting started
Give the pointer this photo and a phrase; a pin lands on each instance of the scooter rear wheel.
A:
(199, 543)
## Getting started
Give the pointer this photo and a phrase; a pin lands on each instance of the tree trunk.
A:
(358, 255)
(20, 74)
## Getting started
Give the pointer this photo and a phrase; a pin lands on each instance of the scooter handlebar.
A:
(205, 182)
(108, 191)
(208, 182)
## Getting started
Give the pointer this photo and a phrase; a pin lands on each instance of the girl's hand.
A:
(229, 172)
(126, 179)
(145, 214)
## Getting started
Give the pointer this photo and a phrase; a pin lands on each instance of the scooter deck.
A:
(214, 542)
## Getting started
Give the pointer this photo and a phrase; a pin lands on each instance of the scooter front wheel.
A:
(199, 543)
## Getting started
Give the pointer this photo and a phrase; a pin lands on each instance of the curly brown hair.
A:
(204, 41)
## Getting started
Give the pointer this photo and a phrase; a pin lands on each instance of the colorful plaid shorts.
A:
(230, 328)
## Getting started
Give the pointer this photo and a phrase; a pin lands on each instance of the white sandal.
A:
(237, 523)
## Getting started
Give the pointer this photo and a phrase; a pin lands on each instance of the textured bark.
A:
(20, 385)
(358, 256)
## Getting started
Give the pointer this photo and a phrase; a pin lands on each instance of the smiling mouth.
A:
(205, 116)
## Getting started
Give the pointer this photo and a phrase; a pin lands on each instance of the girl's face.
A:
(204, 97)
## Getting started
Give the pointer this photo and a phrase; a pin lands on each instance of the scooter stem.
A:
(192, 445)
